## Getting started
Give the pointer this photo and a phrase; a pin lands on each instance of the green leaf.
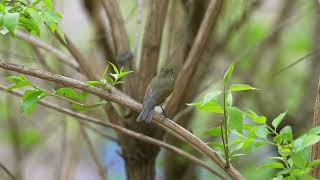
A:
(68, 92)
(210, 96)
(10, 21)
(262, 131)
(256, 118)
(19, 81)
(29, 25)
(34, 13)
(125, 73)
(216, 131)
(94, 83)
(30, 100)
(48, 4)
(241, 87)
(286, 133)
(211, 106)
(299, 159)
(273, 165)
(115, 69)
(78, 107)
(278, 120)
(236, 119)
(35, 2)
(305, 141)
(228, 74)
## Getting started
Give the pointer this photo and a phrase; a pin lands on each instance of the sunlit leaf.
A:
(216, 131)
(10, 21)
(236, 119)
(18, 81)
(228, 74)
(30, 100)
(68, 92)
(241, 87)
(273, 165)
(278, 120)
(262, 131)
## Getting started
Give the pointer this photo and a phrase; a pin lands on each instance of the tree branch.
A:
(126, 101)
(75, 52)
(315, 152)
(57, 53)
(120, 129)
(192, 61)
(101, 171)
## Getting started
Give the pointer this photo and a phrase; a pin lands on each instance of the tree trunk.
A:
(315, 152)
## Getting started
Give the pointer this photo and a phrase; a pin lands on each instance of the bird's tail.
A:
(145, 115)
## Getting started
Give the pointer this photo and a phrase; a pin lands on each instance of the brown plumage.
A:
(159, 88)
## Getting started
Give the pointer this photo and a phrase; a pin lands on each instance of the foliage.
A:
(29, 16)
(243, 131)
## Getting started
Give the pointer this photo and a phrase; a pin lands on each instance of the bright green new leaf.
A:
(30, 100)
(274, 165)
(34, 13)
(35, 2)
(305, 141)
(68, 92)
(2, 8)
(286, 133)
(19, 81)
(115, 69)
(236, 119)
(211, 106)
(299, 159)
(210, 96)
(228, 74)
(256, 118)
(216, 131)
(48, 4)
(241, 87)
(10, 21)
(93, 83)
(278, 120)
(262, 131)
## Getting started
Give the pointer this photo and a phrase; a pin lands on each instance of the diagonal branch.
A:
(75, 52)
(193, 57)
(99, 166)
(115, 96)
(123, 130)
(57, 53)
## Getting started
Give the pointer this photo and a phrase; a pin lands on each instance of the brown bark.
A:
(315, 152)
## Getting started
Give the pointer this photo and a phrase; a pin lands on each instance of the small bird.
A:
(159, 88)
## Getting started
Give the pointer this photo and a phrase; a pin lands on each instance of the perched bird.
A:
(159, 88)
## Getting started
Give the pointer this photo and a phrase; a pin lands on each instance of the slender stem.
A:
(223, 139)
(70, 100)
(226, 134)
(7, 171)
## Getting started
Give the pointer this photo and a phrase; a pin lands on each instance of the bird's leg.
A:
(164, 113)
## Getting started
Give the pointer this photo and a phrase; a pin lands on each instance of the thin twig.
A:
(100, 169)
(57, 53)
(7, 171)
(120, 129)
